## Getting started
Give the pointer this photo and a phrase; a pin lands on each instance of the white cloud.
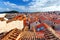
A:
(37, 5)
(38, 2)
(14, 5)
(0, 8)
(8, 9)
(25, 0)
(4, 9)
(52, 8)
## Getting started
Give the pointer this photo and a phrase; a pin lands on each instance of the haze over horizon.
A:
(30, 5)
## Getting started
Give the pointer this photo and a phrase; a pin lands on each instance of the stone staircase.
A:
(12, 35)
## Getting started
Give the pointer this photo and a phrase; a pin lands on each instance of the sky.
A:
(30, 5)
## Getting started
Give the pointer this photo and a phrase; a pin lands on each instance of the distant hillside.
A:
(10, 12)
(56, 12)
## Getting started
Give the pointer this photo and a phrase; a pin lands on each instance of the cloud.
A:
(52, 8)
(14, 5)
(8, 9)
(36, 6)
(11, 6)
(4, 9)
(38, 2)
(25, 0)
(0, 8)
(44, 5)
